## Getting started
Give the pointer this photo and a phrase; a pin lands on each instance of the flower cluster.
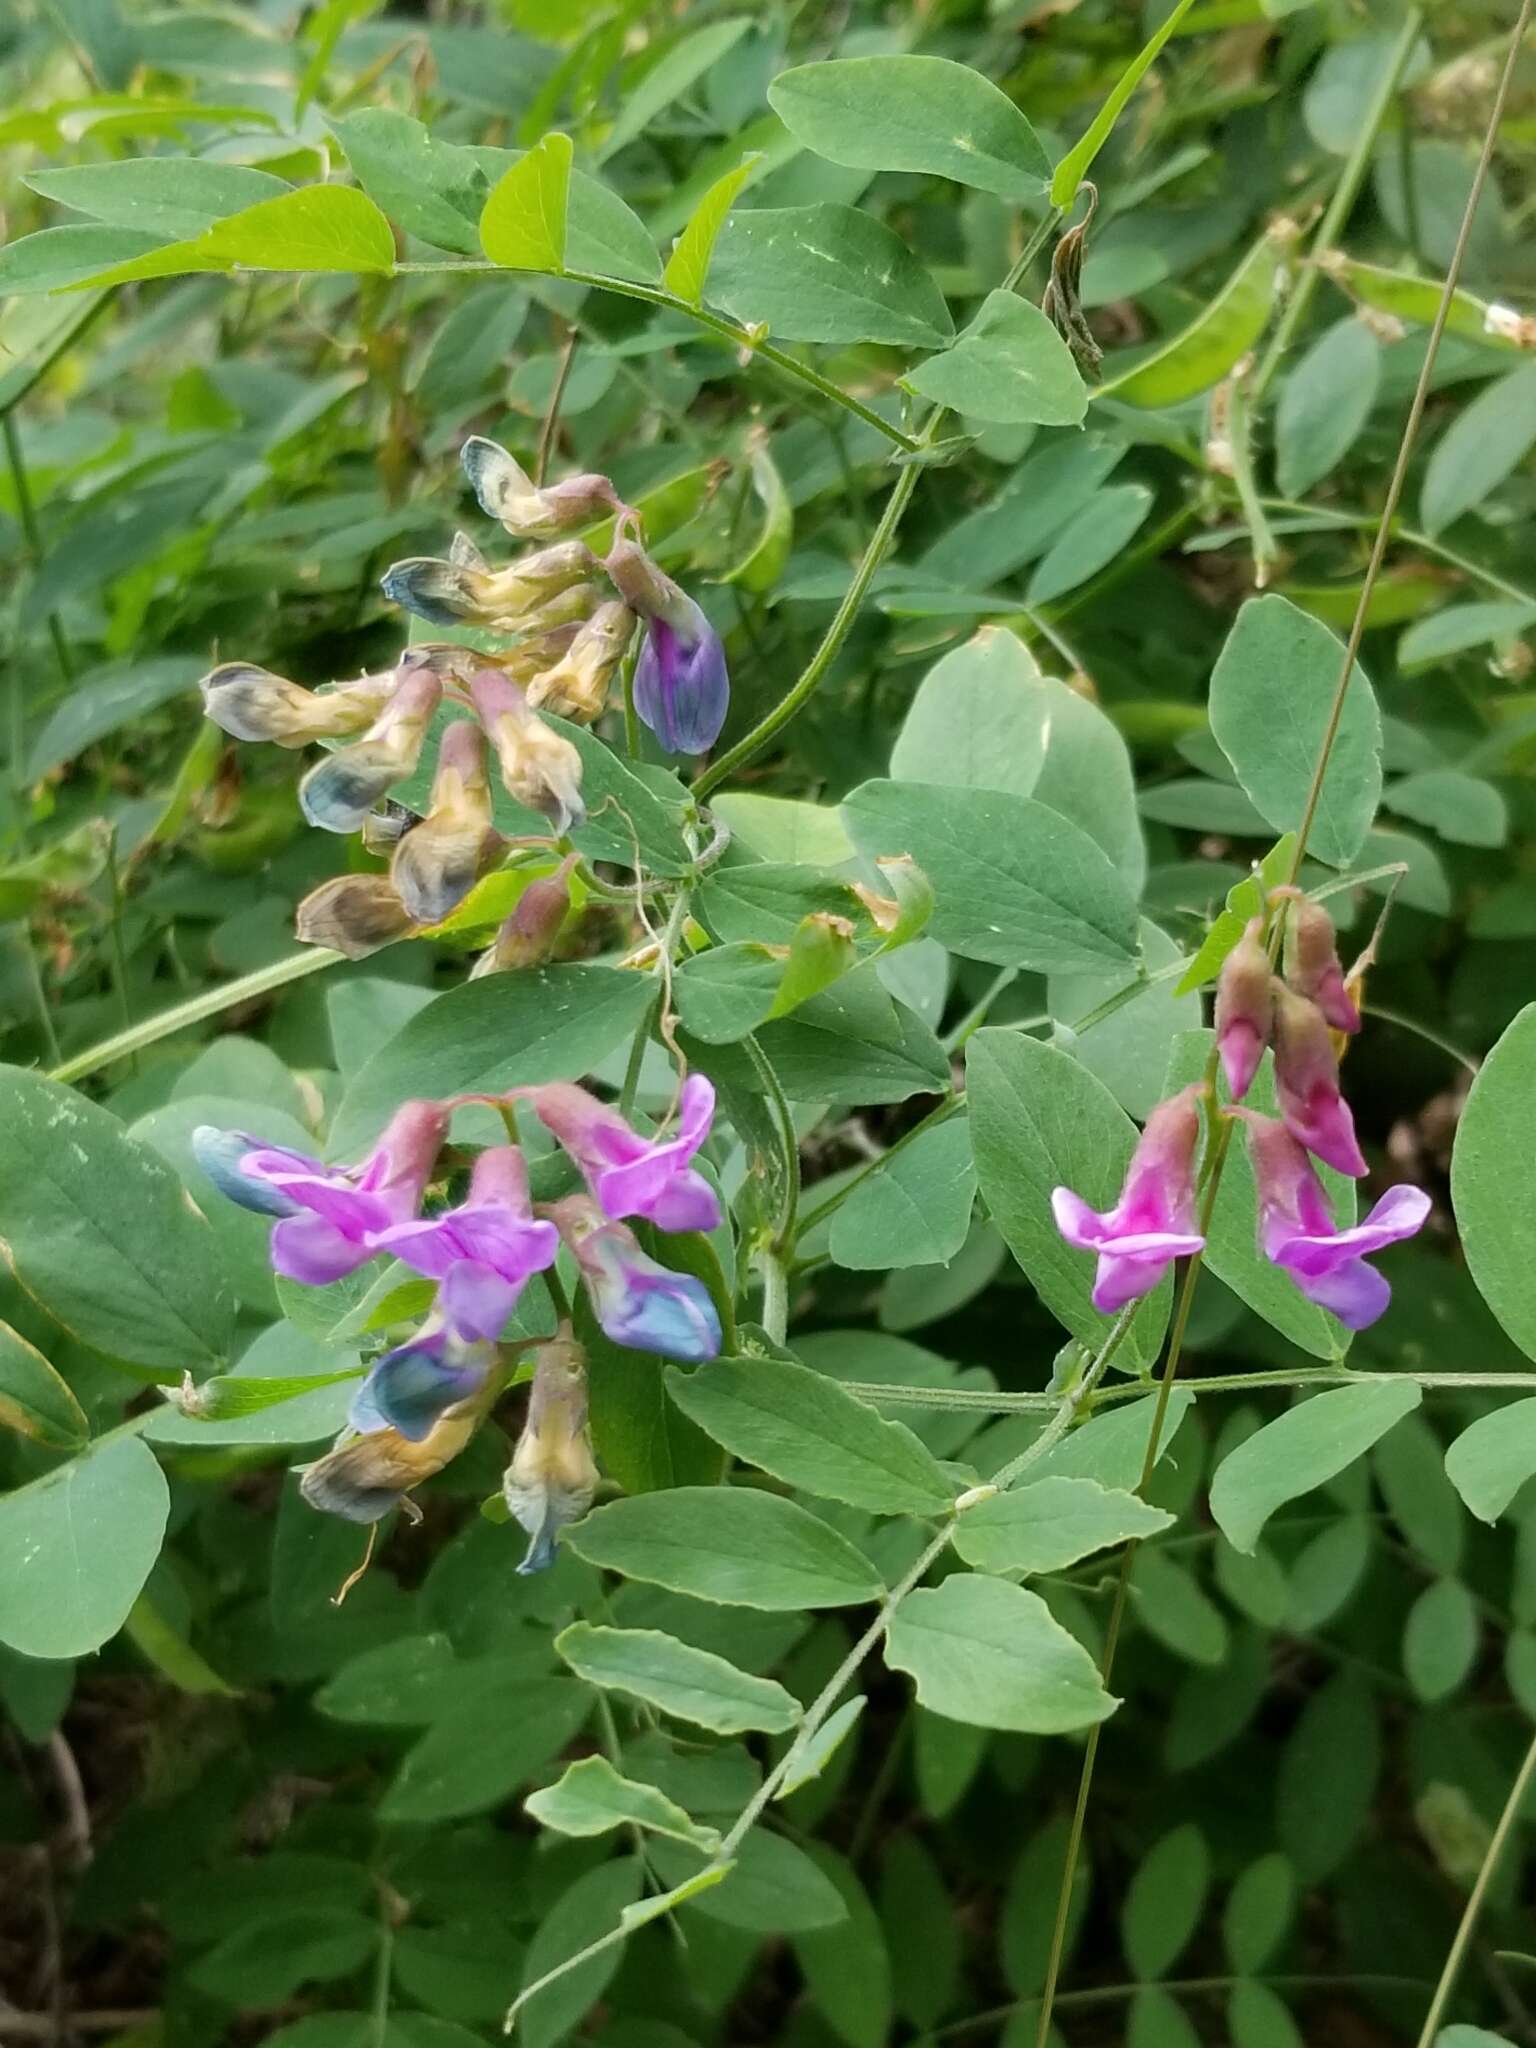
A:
(422, 1399)
(1154, 1221)
(569, 617)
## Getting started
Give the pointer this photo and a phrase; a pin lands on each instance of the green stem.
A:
(637, 1050)
(26, 512)
(825, 1208)
(1344, 195)
(789, 1138)
(1475, 1897)
(211, 1003)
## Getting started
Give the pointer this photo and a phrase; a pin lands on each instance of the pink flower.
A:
(1244, 1009)
(1307, 1083)
(631, 1175)
(1297, 1229)
(1153, 1223)
(488, 1247)
(1312, 965)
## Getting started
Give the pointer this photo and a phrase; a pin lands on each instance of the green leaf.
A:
(726, 991)
(1493, 1458)
(914, 1209)
(805, 1430)
(773, 1887)
(56, 257)
(642, 1442)
(847, 1967)
(1272, 693)
(1010, 365)
(403, 1684)
(79, 1544)
(1312, 1442)
(489, 1741)
(688, 265)
(1074, 166)
(1460, 627)
(760, 568)
(592, 1907)
(98, 1230)
(1460, 807)
(158, 195)
(677, 1679)
(1052, 1523)
(432, 189)
(825, 273)
(1214, 341)
(503, 1031)
(1484, 443)
(1090, 541)
(1324, 404)
(1469, 2037)
(523, 226)
(1015, 882)
(989, 1653)
(678, 68)
(1232, 1248)
(1440, 1639)
(979, 719)
(1492, 1187)
(1040, 1120)
(33, 1397)
(812, 1752)
(854, 1044)
(317, 228)
(913, 114)
(1258, 1912)
(741, 1547)
(1129, 1047)
(591, 1798)
(1164, 1901)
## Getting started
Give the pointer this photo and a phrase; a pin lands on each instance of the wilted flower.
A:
(492, 1230)
(466, 590)
(637, 1302)
(354, 915)
(529, 934)
(409, 1388)
(1153, 1222)
(365, 1476)
(525, 508)
(552, 1476)
(1297, 1229)
(539, 767)
(576, 685)
(1307, 1083)
(682, 689)
(338, 793)
(438, 862)
(631, 1175)
(333, 1214)
(252, 703)
(1244, 1009)
(1311, 963)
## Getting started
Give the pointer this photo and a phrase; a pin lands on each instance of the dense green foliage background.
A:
(1082, 681)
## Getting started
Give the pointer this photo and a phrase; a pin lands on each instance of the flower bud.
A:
(525, 508)
(637, 1302)
(552, 1476)
(1307, 1083)
(538, 767)
(353, 914)
(1244, 1009)
(576, 685)
(528, 936)
(252, 703)
(682, 687)
(439, 861)
(338, 793)
(1311, 963)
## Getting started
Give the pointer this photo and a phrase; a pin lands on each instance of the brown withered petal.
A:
(353, 914)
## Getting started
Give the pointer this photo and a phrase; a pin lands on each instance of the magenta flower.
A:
(1297, 1229)
(1307, 1083)
(1153, 1223)
(637, 1302)
(330, 1217)
(484, 1251)
(1244, 1009)
(631, 1175)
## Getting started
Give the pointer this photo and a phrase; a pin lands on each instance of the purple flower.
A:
(1307, 1083)
(1153, 1222)
(631, 1175)
(330, 1216)
(1312, 963)
(410, 1388)
(682, 689)
(637, 1302)
(1244, 1009)
(485, 1251)
(1297, 1230)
